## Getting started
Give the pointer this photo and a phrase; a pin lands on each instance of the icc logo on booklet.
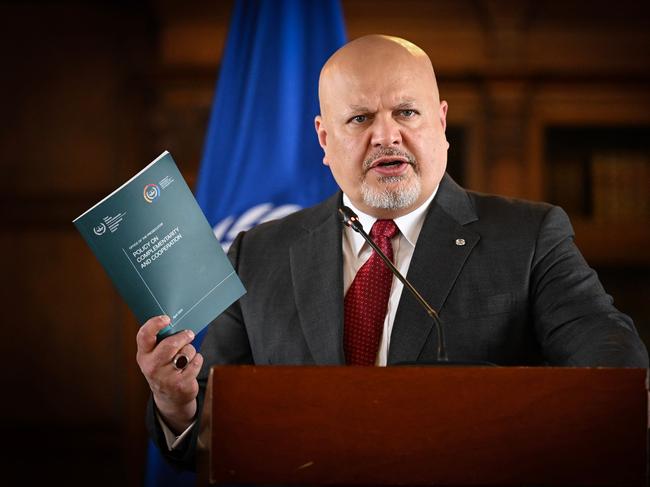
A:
(100, 229)
(151, 192)
(227, 229)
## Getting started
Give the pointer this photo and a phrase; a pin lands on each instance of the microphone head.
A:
(350, 218)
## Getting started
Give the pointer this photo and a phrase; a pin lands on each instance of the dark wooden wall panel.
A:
(76, 101)
(61, 97)
(69, 332)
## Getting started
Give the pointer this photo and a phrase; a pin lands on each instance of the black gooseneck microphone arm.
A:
(349, 218)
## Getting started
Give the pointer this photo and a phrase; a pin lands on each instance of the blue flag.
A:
(261, 158)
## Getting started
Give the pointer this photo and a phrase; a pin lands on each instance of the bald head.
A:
(382, 124)
(371, 57)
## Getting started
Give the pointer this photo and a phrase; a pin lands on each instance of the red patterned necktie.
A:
(367, 300)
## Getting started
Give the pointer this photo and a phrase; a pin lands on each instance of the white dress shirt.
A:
(172, 440)
(356, 252)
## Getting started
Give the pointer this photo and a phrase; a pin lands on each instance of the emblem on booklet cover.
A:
(99, 229)
(151, 192)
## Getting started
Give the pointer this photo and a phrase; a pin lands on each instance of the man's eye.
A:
(358, 119)
(408, 113)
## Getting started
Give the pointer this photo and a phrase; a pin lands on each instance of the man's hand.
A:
(174, 391)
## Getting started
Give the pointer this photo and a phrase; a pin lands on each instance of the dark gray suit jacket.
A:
(517, 293)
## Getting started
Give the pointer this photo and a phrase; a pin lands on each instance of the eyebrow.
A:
(408, 103)
(358, 109)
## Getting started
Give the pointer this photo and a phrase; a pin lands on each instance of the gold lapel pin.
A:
(460, 242)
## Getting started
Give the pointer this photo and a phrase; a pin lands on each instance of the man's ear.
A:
(443, 114)
(322, 136)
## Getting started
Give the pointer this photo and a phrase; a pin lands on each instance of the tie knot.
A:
(383, 228)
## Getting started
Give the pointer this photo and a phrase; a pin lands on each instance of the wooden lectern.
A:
(424, 426)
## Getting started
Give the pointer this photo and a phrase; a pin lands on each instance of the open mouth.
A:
(389, 163)
(390, 160)
(390, 166)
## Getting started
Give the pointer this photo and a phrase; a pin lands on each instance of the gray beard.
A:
(391, 199)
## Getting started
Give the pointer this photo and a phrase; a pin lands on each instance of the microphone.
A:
(349, 218)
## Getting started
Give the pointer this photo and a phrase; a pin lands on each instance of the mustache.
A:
(387, 152)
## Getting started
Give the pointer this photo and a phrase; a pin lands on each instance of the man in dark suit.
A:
(510, 285)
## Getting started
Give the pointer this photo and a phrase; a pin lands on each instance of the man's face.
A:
(383, 133)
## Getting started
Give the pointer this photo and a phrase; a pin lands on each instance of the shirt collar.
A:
(409, 225)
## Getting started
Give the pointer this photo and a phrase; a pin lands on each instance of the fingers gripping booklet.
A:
(156, 245)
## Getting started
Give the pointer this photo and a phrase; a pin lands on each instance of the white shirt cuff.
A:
(171, 439)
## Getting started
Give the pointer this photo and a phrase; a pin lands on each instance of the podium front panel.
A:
(425, 426)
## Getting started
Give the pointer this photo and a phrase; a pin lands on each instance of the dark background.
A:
(93, 91)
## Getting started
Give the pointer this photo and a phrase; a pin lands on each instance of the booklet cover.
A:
(154, 242)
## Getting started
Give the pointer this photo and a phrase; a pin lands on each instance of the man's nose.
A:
(385, 132)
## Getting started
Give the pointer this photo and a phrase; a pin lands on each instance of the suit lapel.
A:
(316, 270)
(435, 266)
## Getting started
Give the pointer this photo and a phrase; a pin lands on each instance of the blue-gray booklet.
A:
(159, 250)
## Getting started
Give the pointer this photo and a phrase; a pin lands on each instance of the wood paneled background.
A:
(92, 91)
